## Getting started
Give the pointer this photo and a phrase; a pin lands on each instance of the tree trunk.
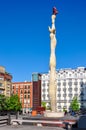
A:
(17, 113)
(9, 118)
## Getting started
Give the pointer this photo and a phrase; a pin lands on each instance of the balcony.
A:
(2, 86)
(64, 95)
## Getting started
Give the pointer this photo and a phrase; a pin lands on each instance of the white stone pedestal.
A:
(53, 114)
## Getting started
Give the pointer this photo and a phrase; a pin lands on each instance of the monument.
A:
(52, 83)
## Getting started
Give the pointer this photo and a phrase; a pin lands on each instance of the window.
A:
(28, 86)
(43, 90)
(24, 96)
(43, 96)
(59, 95)
(58, 84)
(76, 89)
(64, 83)
(21, 91)
(64, 89)
(59, 89)
(35, 77)
(75, 83)
(1, 91)
(25, 87)
(81, 83)
(59, 107)
(70, 83)
(28, 91)
(47, 95)
(70, 75)
(28, 96)
(65, 106)
(70, 89)
(82, 94)
(13, 87)
(70, 95)
(70, 101)
(1, 84)
(1, 78)
(25, 91)
(47, 84)
(43, 84)
(64, 101)
(76, 95)
(64, 95)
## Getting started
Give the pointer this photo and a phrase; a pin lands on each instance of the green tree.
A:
(44, 104)
(2, 102)
(13, 104)
(75, 104)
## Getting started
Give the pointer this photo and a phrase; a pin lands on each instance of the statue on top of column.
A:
(52, 84)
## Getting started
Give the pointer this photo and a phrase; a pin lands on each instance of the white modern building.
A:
(70, 83)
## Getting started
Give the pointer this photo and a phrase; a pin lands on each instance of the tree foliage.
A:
(10, 103)
(75, 104)
(44, 104)
(13, 103)
(2, 102)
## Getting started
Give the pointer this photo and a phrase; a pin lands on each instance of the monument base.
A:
(53, 114)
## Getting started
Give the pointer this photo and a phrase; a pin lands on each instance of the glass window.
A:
(58, 84)
(43, 84)
(59, 95)
(28, 96)
(59, 89)
(25, 91)
(64, 95)
(24, 96)
(13, 87)
(59, 107)
(76, 89)
(81, 83)
(70, 83)
(48, 95)
(64, 83)
(64, 89)
(75, 83)
(70, 89)
(44, 90)
(21, 91)
(70, 95)
(28, 86)
(25, 87)
(28, 91)
(35, 77)
(1, 84)
(76, 95)
(47, 84)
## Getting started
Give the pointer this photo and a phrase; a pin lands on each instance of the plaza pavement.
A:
(26, 127)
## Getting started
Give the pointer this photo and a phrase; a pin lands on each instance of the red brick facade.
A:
(24, 91)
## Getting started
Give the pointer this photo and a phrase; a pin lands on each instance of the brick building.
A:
(24, 91)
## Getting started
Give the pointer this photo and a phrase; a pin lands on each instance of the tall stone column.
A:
(52, 84)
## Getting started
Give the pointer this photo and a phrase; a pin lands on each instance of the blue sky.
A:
(24, 35)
